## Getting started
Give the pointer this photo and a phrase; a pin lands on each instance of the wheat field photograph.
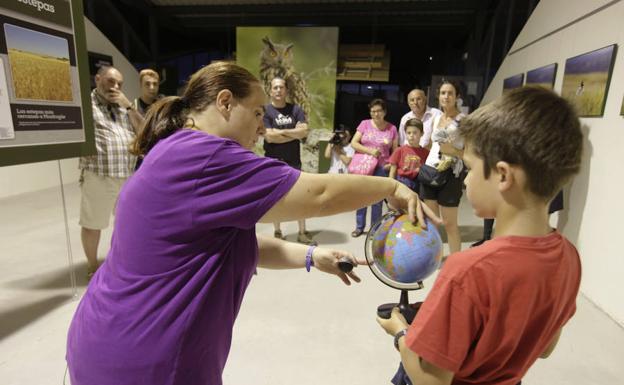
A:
(586, 80)
(542, 76)
(512, 82)
(39, 63)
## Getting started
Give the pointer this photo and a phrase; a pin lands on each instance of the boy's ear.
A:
(506, 176)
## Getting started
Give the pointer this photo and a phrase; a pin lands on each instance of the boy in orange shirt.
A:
(495, 309)
(405, 162)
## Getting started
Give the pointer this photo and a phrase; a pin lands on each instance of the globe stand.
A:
(407, 310)
(391, 230)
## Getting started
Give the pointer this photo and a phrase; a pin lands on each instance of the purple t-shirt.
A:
(161, 309)
(381, 140)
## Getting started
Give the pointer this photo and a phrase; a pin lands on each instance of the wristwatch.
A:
(398, 336)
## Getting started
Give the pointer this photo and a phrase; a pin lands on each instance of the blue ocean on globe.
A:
(404, 252)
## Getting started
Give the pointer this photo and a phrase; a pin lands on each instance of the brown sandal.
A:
(357, 232)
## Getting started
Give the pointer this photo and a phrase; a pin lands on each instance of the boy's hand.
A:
(394, 324)
(326, 260)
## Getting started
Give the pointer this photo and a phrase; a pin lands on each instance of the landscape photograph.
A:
(40, 67)
(512, 82)
(586, 79)
(542, 76)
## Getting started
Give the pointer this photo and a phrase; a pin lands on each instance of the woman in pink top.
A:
(378, 138)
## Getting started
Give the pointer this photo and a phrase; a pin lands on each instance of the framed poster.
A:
(512, 82)
(44, 82)
(586, 80)
(542, 76)
(305, 57)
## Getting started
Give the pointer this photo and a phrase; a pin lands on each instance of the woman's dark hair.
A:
(170, 114)
(377, 102)
(455, 85)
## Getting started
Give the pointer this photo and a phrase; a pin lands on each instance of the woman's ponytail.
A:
(163, 118)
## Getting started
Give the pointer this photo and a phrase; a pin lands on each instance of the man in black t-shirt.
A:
(150, 84)
(285, 125)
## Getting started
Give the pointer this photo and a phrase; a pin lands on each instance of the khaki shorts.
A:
(99, 196)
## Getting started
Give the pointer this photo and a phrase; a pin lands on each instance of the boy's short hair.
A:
(148, 72)
(531, 127)
(415, 122)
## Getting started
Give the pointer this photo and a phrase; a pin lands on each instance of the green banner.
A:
(53, 11)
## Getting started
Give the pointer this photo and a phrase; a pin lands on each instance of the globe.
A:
(402, 254)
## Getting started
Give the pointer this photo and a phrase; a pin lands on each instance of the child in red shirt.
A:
(405, 162)
(495, 309)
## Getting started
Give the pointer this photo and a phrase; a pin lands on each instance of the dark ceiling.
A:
(425, 37)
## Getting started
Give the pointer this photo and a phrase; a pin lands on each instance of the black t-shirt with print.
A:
(285, 118)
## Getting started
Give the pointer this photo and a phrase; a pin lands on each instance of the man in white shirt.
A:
(417, 102)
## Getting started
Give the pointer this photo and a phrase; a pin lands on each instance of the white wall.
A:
(36, 176)
(594, 215)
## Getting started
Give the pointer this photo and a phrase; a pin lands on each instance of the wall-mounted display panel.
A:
(44, 82)
(586, 80)
(542, 76)
(512, 82)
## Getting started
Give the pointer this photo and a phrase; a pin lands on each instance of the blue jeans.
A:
(360, 215)
(411, 183)
(401, 378)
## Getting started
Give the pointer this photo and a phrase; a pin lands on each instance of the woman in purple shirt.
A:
(161, 308)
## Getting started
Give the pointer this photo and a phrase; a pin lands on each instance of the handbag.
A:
(430, 176)
(362, 164)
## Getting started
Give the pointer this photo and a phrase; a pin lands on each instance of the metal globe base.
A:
(384, 311)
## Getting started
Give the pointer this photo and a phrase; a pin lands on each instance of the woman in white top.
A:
(445, 199)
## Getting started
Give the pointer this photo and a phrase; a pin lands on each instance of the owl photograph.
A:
(276, 61)
(305, 57)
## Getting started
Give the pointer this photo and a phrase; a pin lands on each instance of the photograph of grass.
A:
(6, 120)
(39, 63)
(512, 82)
(542, 76)
(586, 80)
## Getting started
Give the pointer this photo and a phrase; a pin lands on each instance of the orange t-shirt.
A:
(494, 309)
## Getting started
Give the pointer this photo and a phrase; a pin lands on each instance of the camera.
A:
(340, 134)
(338, 137)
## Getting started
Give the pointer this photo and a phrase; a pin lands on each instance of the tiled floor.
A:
(294, 327)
